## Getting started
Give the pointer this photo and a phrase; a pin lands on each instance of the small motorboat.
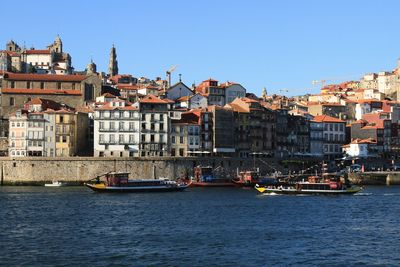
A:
(55, 184)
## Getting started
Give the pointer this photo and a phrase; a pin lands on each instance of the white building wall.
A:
(116, 137)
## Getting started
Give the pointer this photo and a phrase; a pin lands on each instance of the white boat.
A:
(55, 184)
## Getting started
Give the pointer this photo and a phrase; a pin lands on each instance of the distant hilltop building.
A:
(51, 60)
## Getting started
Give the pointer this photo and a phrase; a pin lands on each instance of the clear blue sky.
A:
(278, 44)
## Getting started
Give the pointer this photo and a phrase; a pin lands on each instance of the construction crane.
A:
(323, 82)
(281, 91)
(168, 73)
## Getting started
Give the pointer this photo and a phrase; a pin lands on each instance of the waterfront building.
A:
(154, 126)
(223, 130)
(299, 135)
(185, 135)
(116, 130)
(316, 138)
(377, 126)
(334, 136)
(254, 128)
(361, 148)
(17, 138)
(39, 130)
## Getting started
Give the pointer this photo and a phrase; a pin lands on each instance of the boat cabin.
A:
(117, 178)
(249, 176)
(203, 174)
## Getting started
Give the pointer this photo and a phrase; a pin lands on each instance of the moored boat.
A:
(55, 184)
(251, 178)
(314, 185)
(119, 182)
(204, 177)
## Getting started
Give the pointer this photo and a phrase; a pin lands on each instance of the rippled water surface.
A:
(73, 226)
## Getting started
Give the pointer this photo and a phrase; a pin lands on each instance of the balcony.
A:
(135, 118)
(116, 130)
(153, 131)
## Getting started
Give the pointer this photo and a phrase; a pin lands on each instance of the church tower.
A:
(113, 65)
(91, 68)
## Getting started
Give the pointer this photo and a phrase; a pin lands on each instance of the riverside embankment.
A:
(375, 178)
(31, 171)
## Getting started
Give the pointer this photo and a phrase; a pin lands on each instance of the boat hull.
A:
(215, 184)
(127, 189)
(284, 191)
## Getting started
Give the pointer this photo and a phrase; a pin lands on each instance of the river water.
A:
(73, 226)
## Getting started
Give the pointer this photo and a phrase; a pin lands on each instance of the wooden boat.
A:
(314, 185)
(55, 184)
(251, 178)
(204, 177)
(119, 182)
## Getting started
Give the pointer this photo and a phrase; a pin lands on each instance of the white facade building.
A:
(116, 130)
(233, 91)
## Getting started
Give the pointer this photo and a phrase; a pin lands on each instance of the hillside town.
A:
(49, 109)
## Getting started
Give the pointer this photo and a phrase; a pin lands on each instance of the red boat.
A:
(204, 177)
(251, 178)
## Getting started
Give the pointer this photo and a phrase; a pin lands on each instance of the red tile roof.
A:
(36, 52)
(44, 77)
(39, 91)
(326, 118)
(152, 99)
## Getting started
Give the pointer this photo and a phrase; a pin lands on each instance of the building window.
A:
(42, 85)
(131, 126)
(161, 126)
(112, 126)
(101, 125)
(121, 126)
(181, 139)
(161, 117)
(12, 84)
(59, 85)
(181, 152)
(121, 139)
(12, 101)
(143, 138)
(131, 138)
(173, 139)
(61, 119)
(143, 117)
(28, 85)
(101, 138)
(152, 127)
(152, 138)
(73, 86)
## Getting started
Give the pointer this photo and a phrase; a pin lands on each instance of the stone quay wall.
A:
(35, 170)
(375, 178)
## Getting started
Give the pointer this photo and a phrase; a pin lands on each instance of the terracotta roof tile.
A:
(326, 118)
(40, 91)
(44, 77)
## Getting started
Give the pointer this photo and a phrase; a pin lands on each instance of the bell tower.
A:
(113, 64)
